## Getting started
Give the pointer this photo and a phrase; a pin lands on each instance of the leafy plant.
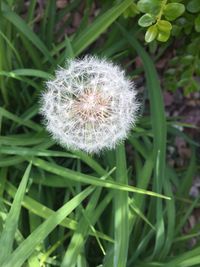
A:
(158, 16)
(172, 22)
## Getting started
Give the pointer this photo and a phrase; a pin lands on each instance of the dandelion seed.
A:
(90, 105)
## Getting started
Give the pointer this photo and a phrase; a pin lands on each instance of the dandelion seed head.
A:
(90, 105)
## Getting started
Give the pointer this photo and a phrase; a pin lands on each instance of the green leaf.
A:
(8, 234)
(149, 6)
(164, 26)
(197, 23)
(193, 6)
(164, 29)
(163, 36)
(146, 20)
(173, 10)
(151, 33)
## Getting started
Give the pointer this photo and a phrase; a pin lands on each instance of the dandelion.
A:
(90, 105)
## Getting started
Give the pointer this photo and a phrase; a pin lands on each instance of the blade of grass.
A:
(27, 72)
(21, 78)
(79, 177)
(3, 175)
(11, 223)
(50, 180)
(137, 211)
(3, 62)
(121, 219)
(51, 22)
(186, 237)
(144, 178)
(23, 151)
(68, 53)
(31, 10)
(22, 139)
(171, 216)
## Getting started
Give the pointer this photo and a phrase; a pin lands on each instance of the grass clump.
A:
(123, 207)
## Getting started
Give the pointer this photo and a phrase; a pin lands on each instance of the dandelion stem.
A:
(121, 211)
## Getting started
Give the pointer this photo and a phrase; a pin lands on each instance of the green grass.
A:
(68, 208)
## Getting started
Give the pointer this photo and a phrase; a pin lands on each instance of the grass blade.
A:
(79, 177)
(8, 234)
(27, 72)
(121, 219)
(24, 151)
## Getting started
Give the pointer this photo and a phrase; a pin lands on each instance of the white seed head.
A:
(90, 105)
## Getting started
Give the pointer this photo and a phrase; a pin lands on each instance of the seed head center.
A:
(92, 106)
